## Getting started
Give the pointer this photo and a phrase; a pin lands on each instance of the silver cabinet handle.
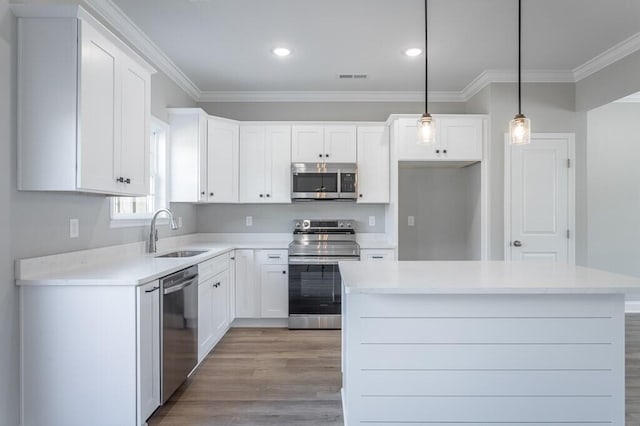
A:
(517, 243)
(274, 257)
(377, 257)
(152, 290)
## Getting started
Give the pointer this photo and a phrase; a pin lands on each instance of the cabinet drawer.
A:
(376, 255)
(274, 257)
(213, 266)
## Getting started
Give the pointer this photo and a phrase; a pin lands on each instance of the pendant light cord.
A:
(426, 60)
(519, 57)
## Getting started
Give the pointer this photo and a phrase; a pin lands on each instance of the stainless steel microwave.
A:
(321, 181)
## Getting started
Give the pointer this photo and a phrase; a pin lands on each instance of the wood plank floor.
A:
(280, 377)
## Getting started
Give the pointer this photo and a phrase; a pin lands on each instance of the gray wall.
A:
(37, 223)
(324, 111)
(279, 218)
(9, 341)
(446, 205)
(613, 188)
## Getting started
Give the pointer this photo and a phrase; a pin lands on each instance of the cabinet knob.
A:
(444, 151)
(127, 180)
(261, 195)
(268, 195)
(517, 243)
(437, 151)
(284, 272)
(326, 155)
(202, 193)
(120, 179)
(211, 194)
(320, 155)
(360, 195)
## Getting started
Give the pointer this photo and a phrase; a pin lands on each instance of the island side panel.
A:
(483, 359)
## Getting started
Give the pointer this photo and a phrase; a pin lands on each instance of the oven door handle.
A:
(321, 260)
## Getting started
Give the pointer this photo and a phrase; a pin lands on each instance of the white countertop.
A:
(475, 277)
(129, 265)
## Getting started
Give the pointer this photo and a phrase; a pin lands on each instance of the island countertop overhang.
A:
(481, 277)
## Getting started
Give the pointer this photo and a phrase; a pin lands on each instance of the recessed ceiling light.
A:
(413, 52)
(281, 51)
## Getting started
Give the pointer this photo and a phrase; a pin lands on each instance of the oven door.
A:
(315, 291)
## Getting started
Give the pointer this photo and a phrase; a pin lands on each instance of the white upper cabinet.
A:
(222, 160)
(458, 138)
(188, 155)
(373, 164)
(84, 109)
(340, 144)
(326, 144)
(204, 157)
(265, 161)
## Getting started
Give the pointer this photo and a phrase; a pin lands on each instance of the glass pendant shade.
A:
(520, 130)
(426, 130)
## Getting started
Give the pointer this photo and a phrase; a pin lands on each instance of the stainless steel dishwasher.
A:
(179, 328)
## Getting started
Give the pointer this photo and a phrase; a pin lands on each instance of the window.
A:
(136, 211)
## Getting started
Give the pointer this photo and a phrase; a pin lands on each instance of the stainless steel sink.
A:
(183, 253)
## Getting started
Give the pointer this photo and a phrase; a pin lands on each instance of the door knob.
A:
(517, 243)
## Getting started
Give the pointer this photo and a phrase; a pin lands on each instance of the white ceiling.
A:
(224, 45)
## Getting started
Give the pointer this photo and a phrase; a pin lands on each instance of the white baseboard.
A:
(260, 323)
(632, 307)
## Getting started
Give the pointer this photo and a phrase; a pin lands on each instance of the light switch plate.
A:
(411, 221)
(372, 221)
(74, 228)
(249, 221)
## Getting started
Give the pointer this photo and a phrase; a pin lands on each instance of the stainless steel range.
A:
(315, 286)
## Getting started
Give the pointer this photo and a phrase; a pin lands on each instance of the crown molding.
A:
(510, 76)
(115, 17)
(608, 57)
(327, 96)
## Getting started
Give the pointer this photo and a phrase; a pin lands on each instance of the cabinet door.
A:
(408, 148)
(134, 152)
(274, 283)
(188, 155)
(247, 293)
(253, 164)
(201, 157)
(205, 317)
(148, 353)
(99, 110)
(307, 144)
(373, 164)
(220, 304)
(461, 137)
(278, 164)
(340, 144)
(222, 161)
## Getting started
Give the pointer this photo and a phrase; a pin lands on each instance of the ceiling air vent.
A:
(352, 76)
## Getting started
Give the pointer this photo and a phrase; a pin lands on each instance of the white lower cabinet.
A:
(377, 254)
(148, 359)
(274, 285)
(213, 302)
(262, 284)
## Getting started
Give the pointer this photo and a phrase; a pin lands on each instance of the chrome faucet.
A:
(153, 235)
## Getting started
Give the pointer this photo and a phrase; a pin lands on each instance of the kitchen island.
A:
(484, 343)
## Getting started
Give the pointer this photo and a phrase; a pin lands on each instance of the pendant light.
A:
(426, 124)
(520, 126)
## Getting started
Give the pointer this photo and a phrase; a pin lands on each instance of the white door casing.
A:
(539, 199)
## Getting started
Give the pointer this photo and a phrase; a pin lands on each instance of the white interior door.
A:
(539, 200)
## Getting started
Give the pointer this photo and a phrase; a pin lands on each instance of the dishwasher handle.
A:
(179, 287)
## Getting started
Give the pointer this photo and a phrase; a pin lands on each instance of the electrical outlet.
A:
(179, 221)
(411, 221)
(372, 221)
(249, 221)
(74, 228)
